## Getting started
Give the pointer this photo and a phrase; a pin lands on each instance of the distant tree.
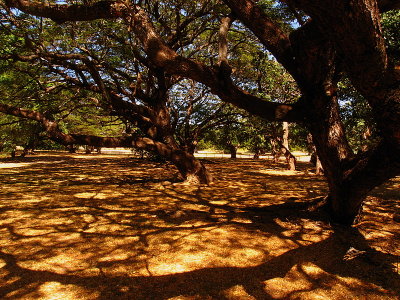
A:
(195, 112)
(361, 129)
(231, 134)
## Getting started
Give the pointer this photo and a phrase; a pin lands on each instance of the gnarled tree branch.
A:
(167, 59)
(268, 32)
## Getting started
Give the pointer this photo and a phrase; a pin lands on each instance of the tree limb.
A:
(55, 133)
(268, 32)
(164, 57)
(63, 12)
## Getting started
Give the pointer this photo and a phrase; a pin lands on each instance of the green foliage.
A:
(391, 30)
(191, 29)
(33, 86)
(298, 137)
(357, 117)
(14, 132)
(282, 14)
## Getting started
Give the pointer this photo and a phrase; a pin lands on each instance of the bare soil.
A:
(114, 227)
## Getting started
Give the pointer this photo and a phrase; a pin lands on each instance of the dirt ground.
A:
(113, 227)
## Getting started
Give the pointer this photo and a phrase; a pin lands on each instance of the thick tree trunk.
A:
(192, 170)
(345, 199)
(279, 149)
(285, 135)
(361, 175)
(314, 160)
(189, 146)
(276, 150)
(290, 159)
(232, 150)
(344, 206)
(350, 177)
(319, 170)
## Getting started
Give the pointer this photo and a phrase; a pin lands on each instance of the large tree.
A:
(107, 73)
(331, 38)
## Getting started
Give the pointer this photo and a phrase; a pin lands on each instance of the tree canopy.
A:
(279, 60)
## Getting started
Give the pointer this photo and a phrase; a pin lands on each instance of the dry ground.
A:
(112, 227)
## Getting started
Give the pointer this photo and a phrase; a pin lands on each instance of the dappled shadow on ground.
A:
(110, 227)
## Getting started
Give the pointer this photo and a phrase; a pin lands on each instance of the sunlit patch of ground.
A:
(114, 227)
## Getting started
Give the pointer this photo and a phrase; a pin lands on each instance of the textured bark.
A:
(269, 33)
(319, 170)
(283, 150)
(363, 174)
(355, 33)
(223, 40)
(291, 160)
(285, 135)
(314, 159)
(192, 170)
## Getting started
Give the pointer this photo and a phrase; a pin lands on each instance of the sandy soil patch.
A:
(114, 227)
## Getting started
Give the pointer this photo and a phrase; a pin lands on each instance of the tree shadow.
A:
(105, 245)
(328, 255)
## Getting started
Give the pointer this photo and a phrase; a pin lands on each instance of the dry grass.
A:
(112, 227)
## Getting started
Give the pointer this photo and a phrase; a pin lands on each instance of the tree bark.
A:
(290, 160)
(319, 170)
(280, 146)
(192, 170)
(361, 175)
(314, 159)
(285, 135)
(275, 150)
(232, 150)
